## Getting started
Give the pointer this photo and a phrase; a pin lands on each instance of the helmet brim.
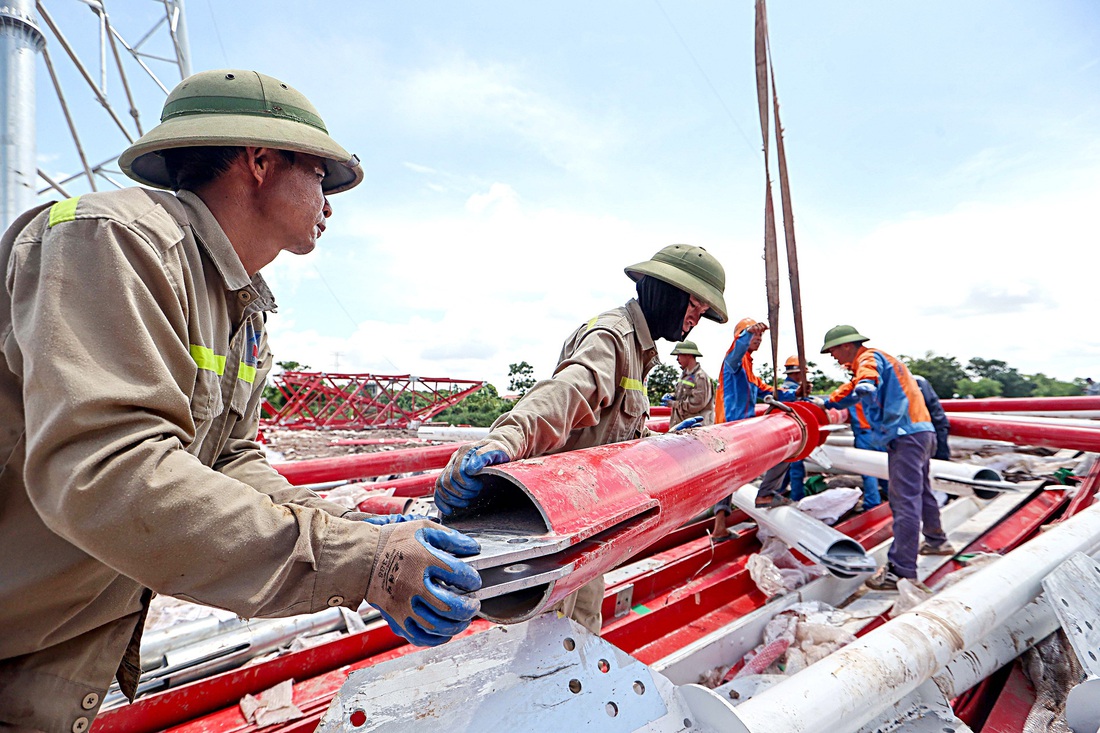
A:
(676, 277)
(142, 163)
(849, 339)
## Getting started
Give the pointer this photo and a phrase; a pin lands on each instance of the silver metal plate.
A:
(547, 675)
(1074, 592)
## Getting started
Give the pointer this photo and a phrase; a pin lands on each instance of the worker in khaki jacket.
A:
(694, 394)
(597, 393)
(134, 357)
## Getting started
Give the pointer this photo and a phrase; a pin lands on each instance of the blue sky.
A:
(944, 163)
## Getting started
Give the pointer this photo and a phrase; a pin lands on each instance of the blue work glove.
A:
(414, 578)
(689, 423)
(665, 399)
(382, 519)
(459, 484)
(864, 389)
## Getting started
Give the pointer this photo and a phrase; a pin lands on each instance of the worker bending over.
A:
(694, 394)
(597, 394)
(134, 359)
(899, 422)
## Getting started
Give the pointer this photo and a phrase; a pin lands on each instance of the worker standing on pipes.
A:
(694, 394)
(795, 472)
(738, 390)
(134, 359)
(900, 423)
(597, 393)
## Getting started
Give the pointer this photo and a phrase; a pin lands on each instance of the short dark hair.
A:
(193, 167)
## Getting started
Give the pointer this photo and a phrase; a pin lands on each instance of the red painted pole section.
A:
(660, 411)
(633, 493)
(1021, 433)
(1023, 404)
(365, 465)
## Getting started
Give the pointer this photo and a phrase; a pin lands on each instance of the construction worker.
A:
(134, 358)
(861, 438)
(738, 390)
(794, 378)
(940, 423)
(597, 393)
(899, 422)
(694, 395)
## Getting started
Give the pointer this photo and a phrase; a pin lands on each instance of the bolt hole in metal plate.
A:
(522, 679)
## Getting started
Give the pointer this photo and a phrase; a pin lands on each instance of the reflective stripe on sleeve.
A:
(205, 358)
(592, 322)
(687, 382)
(63, 211)
(246, 373)
(628, 383)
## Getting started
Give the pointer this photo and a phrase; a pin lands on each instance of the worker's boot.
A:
(884, 579)
(771, 502)
(943, 548)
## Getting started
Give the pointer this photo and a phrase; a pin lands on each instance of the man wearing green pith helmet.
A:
(597, 393)
(134, 357)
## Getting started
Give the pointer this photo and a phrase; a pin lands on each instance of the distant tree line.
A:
(987, 378)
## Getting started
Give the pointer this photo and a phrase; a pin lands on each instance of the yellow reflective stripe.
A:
(684, 381)
(591, 322)
(246, 373)
(628, 383)
(205, 358)
(63, 211)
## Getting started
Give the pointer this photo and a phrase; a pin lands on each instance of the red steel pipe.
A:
(1024, 433)
(1023, 404)
(364, 465)
(612, 501)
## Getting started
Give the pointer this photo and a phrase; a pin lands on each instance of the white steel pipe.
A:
(854, 685)
(453, 435)
(837, 552)
(874, 463)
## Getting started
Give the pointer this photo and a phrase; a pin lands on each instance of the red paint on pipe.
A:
(1023, 404)
(643, 489)
(1022, 433)
(365, 465)
(660, 411)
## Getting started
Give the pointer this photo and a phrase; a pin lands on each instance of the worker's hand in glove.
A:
(382, 519)
(459, 483)
(414, 580)
(815, 400)
(665, 399)
(863, 389)
(689, 423)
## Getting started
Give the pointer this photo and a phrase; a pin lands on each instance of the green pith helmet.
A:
(686, 347)
(693, 270)
(238, 108)
(838, 335)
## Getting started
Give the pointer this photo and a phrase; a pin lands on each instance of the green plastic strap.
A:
(63, 211)
(628, 383)
(205, 358)
(239, 106)
(246, 373)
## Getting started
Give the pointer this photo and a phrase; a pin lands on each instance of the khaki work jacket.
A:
(694, 396)
(134, 357)
(596, 396)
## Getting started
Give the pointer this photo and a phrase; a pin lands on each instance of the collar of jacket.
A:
(641, 332)
(220, 250)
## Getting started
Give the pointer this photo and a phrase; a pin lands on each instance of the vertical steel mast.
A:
(20, 42)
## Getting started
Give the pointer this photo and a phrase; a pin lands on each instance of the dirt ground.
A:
(300, 445)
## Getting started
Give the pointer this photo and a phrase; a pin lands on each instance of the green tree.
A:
(1013, 384)
(942, 372)
(1050, 387)
(479, 409)
(521, 377)
(984, 387)
(662, 380)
